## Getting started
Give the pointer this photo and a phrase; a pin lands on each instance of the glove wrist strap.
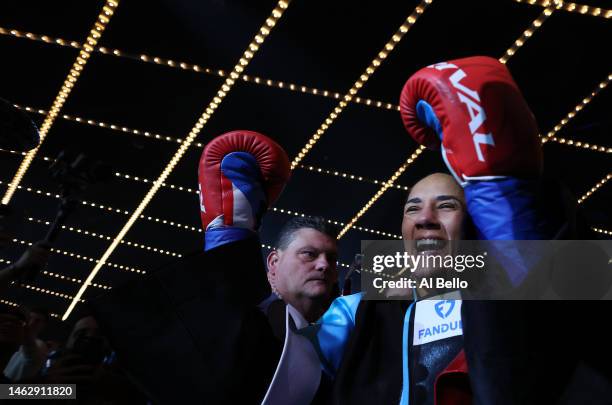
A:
(222, 235)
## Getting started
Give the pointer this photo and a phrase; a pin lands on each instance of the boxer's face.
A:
(434, 213)
(306, 268)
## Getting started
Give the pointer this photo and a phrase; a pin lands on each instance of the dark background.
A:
(320, 44)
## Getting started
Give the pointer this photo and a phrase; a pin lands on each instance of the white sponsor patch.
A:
(437, 319)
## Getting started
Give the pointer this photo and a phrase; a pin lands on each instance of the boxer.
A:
(472, 110)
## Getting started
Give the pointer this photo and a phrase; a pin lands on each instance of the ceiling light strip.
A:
(571, 7)
(199, 230)
(111, 209)
(92, 39)
(602, 85)
(274, 209)
(338, 223)
(243, 62)
(601, 230)
(84, 258)
(347, 176)
(374, 231)
(62, 277)
(12, 304)
(365, 76)
(74, 280)
(584, 9)
(382, 190)
(148, 181)
(298, 88)
(186, 189)
(48, 292)
(113, 127)
(152, 135)
(535, 25)
(595, 188)
(198, 145)
(570, 142)
(268, 247)
(105, 237)
(9, 303)
(336, 173)
(577, 144)
(580, 145)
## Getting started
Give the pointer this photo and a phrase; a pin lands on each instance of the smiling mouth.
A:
(429, 245)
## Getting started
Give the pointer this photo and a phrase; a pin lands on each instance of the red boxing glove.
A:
(241, 174)
(474, 109)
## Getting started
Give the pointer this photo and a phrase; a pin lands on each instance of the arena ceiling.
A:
(130, 83)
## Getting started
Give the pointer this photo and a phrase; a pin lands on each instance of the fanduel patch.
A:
(436, 319)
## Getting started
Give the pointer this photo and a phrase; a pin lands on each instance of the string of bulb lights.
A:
(13, 304)
(238, 69)
(363, 78)
(579, 107)
(106, 237)
(602, 231)
(386, 185)
(596, 187)
(273, 209)
(260, 81)
(520, 41)
(62, 276)
(536, 24)
(310, 168)
(79, 256)
(348, 176)
(109, 208)
(199, 145)
(404, 166)
(278, 210)
(168, 222)
(571, 7)
(75, 71)
(40, 289)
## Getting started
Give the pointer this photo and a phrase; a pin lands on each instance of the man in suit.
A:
(302, 267)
